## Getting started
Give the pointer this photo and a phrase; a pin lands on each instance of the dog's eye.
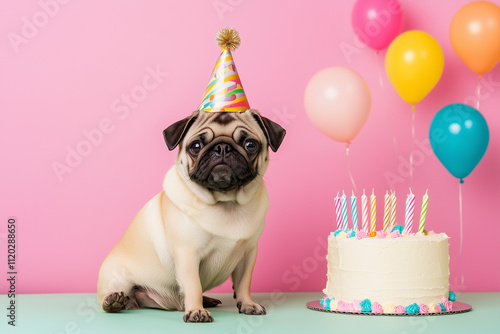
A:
(251, 146)
(195, 147)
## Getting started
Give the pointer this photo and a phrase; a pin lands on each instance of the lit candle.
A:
(338, 211)
(409, 212)
(387, 209)
(373, 216)
(354, 212)
(364, 211)
(343, 201)
(423, 213)
(392, 219)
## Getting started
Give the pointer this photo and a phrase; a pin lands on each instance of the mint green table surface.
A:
(287, 313)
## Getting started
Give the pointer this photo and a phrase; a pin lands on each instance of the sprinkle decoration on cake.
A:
(390, 271)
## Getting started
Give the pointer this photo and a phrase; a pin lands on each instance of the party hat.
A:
(224, 92)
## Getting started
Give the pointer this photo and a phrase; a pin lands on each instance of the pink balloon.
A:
(337, 101)
(377, 22)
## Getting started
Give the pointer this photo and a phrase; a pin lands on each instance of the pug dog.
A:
(204, 226)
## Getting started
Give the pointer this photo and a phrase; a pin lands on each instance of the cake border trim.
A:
(458, 307)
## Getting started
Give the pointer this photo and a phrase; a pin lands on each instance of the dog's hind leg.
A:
(210, 302)
(168, 300)
(115, 290)
(115, 302)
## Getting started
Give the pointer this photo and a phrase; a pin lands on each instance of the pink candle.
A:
(364, 211)
(409, 212)
(338, 211)
(343, 204)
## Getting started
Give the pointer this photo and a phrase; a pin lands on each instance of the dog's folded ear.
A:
(174, 134)
(273, 131)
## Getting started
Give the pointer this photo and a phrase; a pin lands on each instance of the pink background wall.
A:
(69, 74)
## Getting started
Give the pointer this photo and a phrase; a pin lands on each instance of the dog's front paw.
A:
(251, 308)
(198, 316)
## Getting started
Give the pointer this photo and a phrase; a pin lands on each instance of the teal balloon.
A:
(459, 137)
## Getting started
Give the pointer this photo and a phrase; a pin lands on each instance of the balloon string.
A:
(379, 69)
(461, 236)
(379, 72)
(478, 92)
(349, 168)
(412, 142)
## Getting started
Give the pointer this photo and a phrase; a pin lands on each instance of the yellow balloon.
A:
(414, 63)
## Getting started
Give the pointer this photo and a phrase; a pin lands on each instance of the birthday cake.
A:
(393, 271)
(387, 273)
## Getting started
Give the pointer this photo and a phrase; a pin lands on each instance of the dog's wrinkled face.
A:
(224, 151)
(223, 156)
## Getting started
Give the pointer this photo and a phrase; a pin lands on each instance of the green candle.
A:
(423, 212)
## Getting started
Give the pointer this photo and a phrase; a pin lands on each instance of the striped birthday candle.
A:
(343, 201)
(387, 210)
(394, 202)
(373, 212)
(364, 211)
(409, 212)
(423, 212)
(354, 212)
(338, 211)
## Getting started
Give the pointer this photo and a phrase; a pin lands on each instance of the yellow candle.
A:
(392, 219)
(373, 213)
(387, 208)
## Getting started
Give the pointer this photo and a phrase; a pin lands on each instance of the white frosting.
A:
(401, 271)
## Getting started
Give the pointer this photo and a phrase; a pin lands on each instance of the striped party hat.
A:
(224, 92)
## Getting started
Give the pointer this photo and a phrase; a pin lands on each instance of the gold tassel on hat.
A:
(228, 38)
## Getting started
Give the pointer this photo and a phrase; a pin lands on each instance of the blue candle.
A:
(354, 212)
(343, 201)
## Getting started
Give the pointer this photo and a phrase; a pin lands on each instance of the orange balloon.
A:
(475, 35)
